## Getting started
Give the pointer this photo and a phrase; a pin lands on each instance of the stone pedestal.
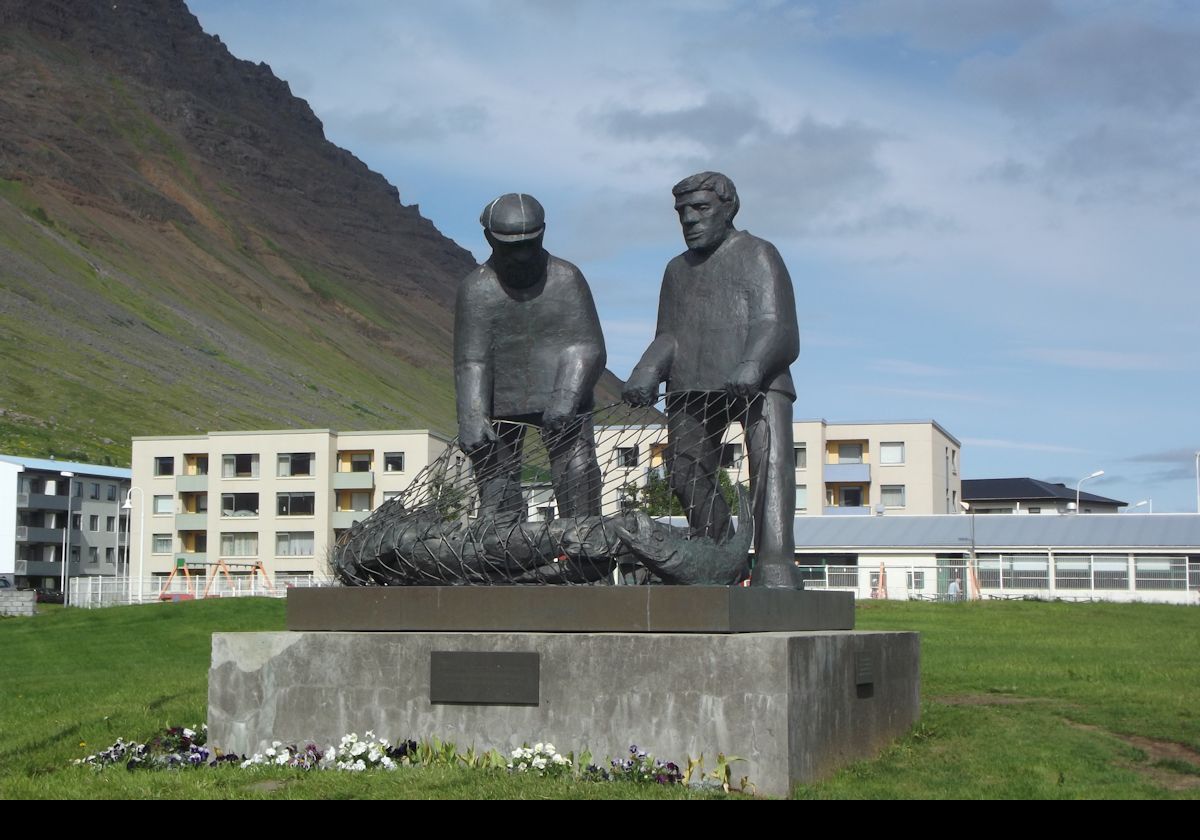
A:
(795, 704)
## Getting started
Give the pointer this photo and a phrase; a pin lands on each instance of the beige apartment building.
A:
(276, 497)
(904, 467)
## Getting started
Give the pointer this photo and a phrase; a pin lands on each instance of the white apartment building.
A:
(902, 467)
(48, 506)
(276, 497)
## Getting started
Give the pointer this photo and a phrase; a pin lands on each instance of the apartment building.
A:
(48, 506)
(902, 467)
(276, 497)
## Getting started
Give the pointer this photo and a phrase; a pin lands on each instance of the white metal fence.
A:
(1091, 577)
(91, 592)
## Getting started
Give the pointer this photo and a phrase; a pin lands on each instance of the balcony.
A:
(33, 534)
(38, 568)
(40, 501)
(191, 521)
(353, 480)
(847, 510)
(346, 518)
(191, 483)
(848, 473)
(193, 558)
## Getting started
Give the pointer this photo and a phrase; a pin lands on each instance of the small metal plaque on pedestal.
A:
(484, 678)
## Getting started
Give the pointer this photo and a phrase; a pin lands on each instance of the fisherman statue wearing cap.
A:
(726, 336)
(528, 349)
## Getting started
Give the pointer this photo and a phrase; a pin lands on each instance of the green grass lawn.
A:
(1020, 700)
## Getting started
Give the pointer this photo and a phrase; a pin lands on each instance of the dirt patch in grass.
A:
(1167, 764)
(266, 786)
(983, 700)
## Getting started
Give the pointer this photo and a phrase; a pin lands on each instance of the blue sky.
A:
(989, 208)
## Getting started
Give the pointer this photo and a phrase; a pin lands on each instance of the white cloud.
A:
(1110, 360)
(1029, 446)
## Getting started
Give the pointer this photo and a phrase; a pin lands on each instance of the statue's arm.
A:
(581, 360)
(655, 365)
(472, 365)
(773, 340)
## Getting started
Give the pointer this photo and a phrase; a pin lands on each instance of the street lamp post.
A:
(1079, 484)
(141, 537)
(1198, 482)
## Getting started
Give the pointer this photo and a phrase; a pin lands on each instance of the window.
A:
(239, 466)
(94, 522)
(77, 521)
(78, 489)
(916, 580)
(112, 492)
(162, 544)
(393, 462)
(196, 464)
(1035, 509)
(801, 497)
(164, 465)
(545, 514)
(108, 555)
(849, 453)
(294, 543)
(94, 554)
(194, 502)
(74, 554)
(359, 461)
(240, 544)
(163, 506)
(891, 453)
(194, 542)
(800, 452)
(295, 463)
(95, 494)
(731, 455)
(296, 504)
(239, 504)
(892, 495)
(110, 524)
(627, 457)
(850, 497)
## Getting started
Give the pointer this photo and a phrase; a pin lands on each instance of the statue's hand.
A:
(475, 433)
(641, 389)
(559, 414)
(746, 380)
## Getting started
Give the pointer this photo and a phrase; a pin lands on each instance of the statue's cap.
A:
(513, 217)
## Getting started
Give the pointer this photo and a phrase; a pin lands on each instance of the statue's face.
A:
(519, 263)
(705, 219)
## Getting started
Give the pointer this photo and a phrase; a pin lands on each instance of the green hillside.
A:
(182, 250)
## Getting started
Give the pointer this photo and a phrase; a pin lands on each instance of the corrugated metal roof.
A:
(953, 533)
(52, 465)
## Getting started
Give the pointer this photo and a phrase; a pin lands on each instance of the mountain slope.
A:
(182, 250)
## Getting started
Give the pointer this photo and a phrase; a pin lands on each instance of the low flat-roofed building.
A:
(1126, 557)
(279, 498)
(46, 504)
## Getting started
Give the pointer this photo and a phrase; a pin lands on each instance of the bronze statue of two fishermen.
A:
(529, 350)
